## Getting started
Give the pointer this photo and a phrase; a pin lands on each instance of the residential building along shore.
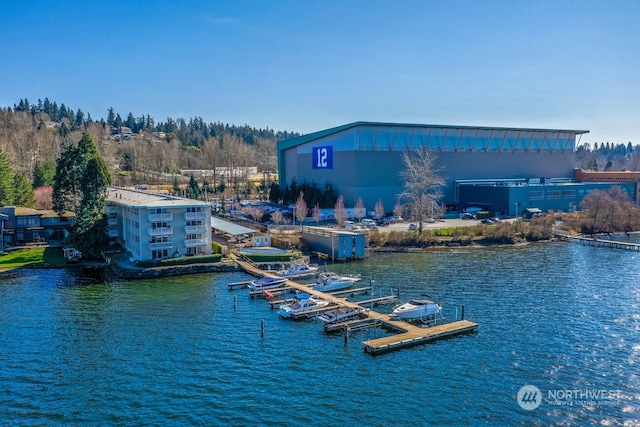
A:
(158, 226)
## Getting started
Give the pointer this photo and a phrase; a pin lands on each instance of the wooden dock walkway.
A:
(603, 243)
(416, 336)
(409, 335)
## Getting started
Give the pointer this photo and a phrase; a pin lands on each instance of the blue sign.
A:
(322, 157)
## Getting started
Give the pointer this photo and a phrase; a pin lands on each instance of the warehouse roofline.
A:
(293, 142)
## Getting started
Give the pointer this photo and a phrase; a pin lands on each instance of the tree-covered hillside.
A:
(136, 149)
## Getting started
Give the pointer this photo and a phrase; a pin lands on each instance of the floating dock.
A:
(408, 335)
(243, 284)
(603, 243)
(416, 336)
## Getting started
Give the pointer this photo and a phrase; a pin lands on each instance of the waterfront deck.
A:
(408, 335)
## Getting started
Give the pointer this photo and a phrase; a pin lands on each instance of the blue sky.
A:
(309, 65)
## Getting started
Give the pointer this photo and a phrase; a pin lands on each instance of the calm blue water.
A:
(186, 350)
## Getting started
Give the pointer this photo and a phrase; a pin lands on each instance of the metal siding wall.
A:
(374, 175)
(359, 242)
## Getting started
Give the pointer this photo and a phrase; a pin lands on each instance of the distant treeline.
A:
(192, 132)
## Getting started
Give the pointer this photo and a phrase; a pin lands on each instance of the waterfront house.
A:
(56, 226)
(26, 225)
(157, 226)
(22, 226)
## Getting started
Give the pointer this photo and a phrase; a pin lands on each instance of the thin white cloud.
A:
(223, 21)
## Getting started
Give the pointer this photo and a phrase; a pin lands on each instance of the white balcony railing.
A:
(112, 221)
(160, 217)
(160, 231)
(195, 215)
(161, 245)
(112, 210)
(112, 233)
(190, 243)
(195, 228)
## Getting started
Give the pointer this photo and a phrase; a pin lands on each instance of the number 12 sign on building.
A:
(323, 157)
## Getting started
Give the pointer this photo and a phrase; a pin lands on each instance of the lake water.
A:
(185, 350)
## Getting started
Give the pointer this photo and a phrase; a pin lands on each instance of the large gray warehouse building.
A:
(364, 159)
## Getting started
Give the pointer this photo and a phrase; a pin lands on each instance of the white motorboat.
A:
(340, 314)
(416, 309)
(298, 269)
(267, 283)
(328, 282)
(301, 302)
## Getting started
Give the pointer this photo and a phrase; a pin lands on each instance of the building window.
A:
(568, 194)
(536, 195)
(553, 194)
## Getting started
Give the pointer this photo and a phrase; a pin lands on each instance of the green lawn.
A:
(34, 257)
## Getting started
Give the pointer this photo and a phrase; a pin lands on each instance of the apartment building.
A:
(158, 226)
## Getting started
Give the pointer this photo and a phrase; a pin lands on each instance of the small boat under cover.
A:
(267, 283)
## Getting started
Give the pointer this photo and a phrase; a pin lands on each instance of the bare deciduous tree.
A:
(277, 217)
(301, 208)
(422, 183)
(340, 212)
(379, 209)
(316, 213)
(359, 210)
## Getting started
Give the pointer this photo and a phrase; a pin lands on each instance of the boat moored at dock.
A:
(300, 303)
(340, 314)
(328, 282)
(267, 283)
(298, 270)
(416, 309)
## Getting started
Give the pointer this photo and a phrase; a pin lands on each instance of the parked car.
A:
(413, 227)
(368, 222)
(430, 221)
(395, 218)
(487, 221)
(467, 215)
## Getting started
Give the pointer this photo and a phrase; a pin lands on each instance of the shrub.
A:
(201, 259)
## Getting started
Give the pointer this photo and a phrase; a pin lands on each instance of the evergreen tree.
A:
(176, 185)
(44, 174)
(65, 184)
(79, 118)
(23, 191)
(6, 181)
(111, 117)
(88, 233)
(80, 186)
(275, 195)
(193, 191)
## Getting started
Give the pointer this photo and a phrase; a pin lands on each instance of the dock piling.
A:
(462, 314)
(262, 328)
(235, 302)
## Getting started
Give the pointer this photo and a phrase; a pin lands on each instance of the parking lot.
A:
(441, 223)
